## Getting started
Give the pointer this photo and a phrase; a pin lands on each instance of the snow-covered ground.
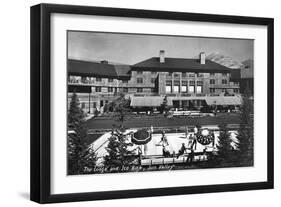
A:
(154, 147)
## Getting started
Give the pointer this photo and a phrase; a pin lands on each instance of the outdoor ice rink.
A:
(154, 147)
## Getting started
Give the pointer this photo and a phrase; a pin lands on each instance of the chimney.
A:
(202, 58)
(162, 56)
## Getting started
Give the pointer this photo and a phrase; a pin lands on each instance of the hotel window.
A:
(169, 82)
(176, 89)
(176, 75)
(176, 86)
(191, 89)
(191, 82)
(98, 79)
(199, 89)
(183, 88)
(212, 74)
(176, 82)
(168, 87)
(124, 81)
(212, 81)
(92, 80)
(212, 90)
(84, 80)
(201, 75)
(152, 80)
(125, 90)
(139, 80)
(200, 83)
(183, 74)
(110, 80)
(98, 89)
(139, 90)
(75, 79)
(224, 81)
(192, 75)
(139, 72)
(110, 89)
(170, 74)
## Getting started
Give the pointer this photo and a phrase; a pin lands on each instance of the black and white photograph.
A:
(148, 102)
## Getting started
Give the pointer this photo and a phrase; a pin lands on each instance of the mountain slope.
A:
(225, 60)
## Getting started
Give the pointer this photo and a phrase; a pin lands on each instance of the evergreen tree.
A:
(121, 108)
(118, 151)
(75, 113)
(225, 151)
(79, 155)
(246, 131)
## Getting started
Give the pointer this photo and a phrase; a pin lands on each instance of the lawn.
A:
(161, 121)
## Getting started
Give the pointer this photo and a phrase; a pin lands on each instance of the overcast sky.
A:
(132, 48)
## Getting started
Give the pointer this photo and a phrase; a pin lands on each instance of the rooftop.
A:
(97, 69)
(180, 65)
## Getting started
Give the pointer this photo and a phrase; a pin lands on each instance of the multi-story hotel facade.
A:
(185, 82)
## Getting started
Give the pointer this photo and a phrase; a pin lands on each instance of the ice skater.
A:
(166, 152)
(182, 150)
(164, 139)
(192, 142)
(190, 157)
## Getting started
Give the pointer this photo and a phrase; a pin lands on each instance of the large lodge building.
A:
(187, 83)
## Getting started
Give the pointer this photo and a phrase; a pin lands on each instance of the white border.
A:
(60, 183)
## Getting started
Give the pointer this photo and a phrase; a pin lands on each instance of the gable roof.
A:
(179, 65)
(97, 69)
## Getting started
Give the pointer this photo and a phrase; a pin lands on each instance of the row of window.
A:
(193, 89)
(169, 89)
(192, 75)
(183, 89)
(185, 83)
(91, 80)
(213, 81)
(213, 90)
(112, 89)
(183, 74)
(88, 80)
(141, 72)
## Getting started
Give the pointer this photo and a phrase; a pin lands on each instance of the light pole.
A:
(89, 103)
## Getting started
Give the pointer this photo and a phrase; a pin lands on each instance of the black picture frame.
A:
(41, 98)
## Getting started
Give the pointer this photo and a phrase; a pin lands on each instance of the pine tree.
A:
(75, 113)
(79, 155)
(121, 108)
(118, 151)
(225, 151)
(246, 131)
